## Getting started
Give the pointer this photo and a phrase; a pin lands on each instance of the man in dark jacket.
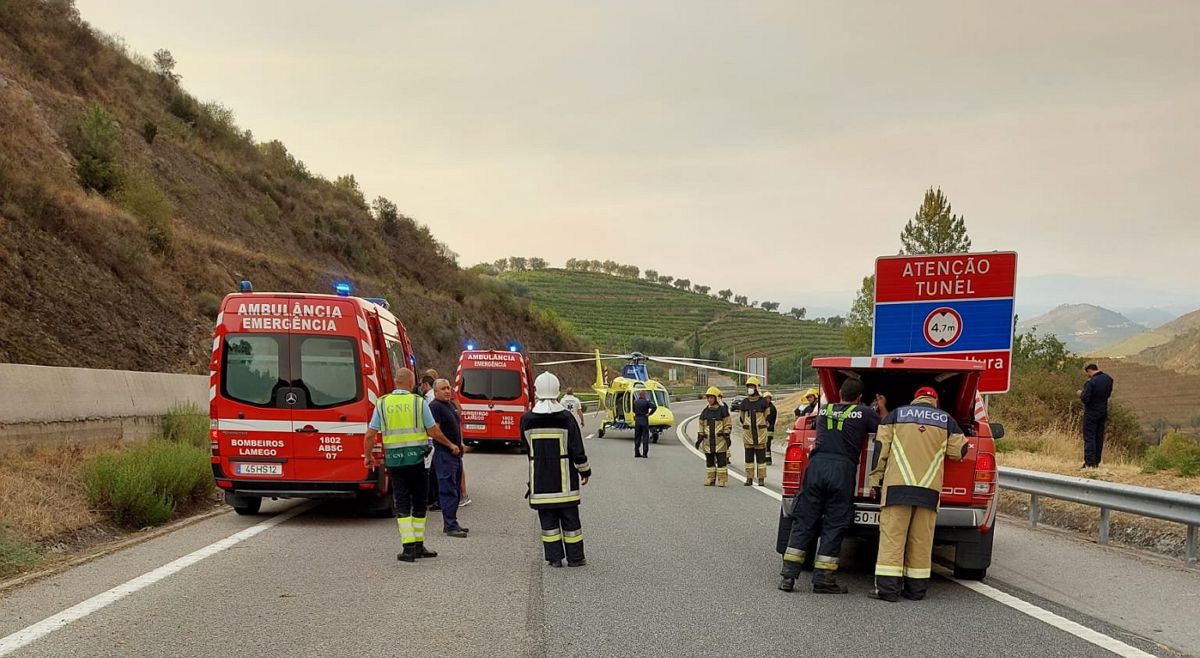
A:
(1095, 394)
(558, 468)
(643, 408)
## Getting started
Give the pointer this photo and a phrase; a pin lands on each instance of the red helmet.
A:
(927, 392)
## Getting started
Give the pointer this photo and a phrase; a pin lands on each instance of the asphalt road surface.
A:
(674, 568)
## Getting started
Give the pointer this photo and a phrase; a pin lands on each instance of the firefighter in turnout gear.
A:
(772, 416)
(827, 500)
(914, 443)
(712, 438)
(557, 469)
(753, 416)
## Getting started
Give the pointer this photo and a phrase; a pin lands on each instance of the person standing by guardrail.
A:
(753, 416)
(1094, 395)
(914, 443)
(643, 408)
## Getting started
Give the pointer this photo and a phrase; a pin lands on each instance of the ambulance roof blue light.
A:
(471, 347)
(513, 347)
(246, 286)
(343, 289)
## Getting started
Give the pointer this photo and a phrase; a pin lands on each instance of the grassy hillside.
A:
(1084, 328)
(612, 311)
(1154, 337)
(128, 208)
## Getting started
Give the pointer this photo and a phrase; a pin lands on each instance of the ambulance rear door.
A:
(335, 384)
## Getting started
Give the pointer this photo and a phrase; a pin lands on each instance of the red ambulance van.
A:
(293, 382)
(494, 388)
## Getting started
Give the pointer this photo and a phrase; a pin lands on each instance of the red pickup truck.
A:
(967, 513)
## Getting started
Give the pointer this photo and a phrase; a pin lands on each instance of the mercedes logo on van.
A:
(290, 398)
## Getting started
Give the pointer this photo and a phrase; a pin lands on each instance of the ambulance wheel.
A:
(247, 505)
(378, 507)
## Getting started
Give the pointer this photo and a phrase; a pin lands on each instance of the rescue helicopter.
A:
(616, 397)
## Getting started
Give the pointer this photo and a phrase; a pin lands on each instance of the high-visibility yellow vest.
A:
(400, 424)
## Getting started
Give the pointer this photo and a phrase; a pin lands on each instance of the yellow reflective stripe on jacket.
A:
(572, 536)
(931, 472)
(556, 497)
(841, 419)
(902, 463)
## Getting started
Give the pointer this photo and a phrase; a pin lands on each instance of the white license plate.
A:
(258, 469)
(866, 517)
(475, 427)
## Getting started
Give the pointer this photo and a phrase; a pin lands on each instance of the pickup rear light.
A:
(985, 474)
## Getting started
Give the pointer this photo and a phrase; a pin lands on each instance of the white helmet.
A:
(546, 389)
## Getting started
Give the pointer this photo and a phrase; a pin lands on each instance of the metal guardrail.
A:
(1108, 496)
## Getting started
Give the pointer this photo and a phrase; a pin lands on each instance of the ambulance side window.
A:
(251, 367)
(395, 356)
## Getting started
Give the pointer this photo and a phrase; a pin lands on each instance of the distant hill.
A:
(1085, 328)
(1154, 337)
(611, 311)
(1148, 317)
(1181, 354)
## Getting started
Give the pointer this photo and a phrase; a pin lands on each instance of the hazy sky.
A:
(774, 147)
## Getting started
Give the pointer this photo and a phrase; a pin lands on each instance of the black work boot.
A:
(577, 563)
(409, 554)
(749, 482)
(420, 551)
(787, 584)
(554, 563)
(825, 582)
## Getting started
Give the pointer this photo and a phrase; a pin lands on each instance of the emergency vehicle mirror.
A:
(997, 431)
(368, 369)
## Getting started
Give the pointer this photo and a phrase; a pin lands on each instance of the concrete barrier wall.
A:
(41, 405)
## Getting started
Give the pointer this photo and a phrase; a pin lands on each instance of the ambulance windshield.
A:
(325, 369)
(481, 384)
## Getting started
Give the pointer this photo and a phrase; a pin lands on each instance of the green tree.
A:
(651, 275)
(683, 284)
(96, 146)
(164, 63)
(725, 294)
(770, 306)
(798, 312)
(501, 264)
(665, 279)
(348, 186)
(386, 213)
(935, 229)
(703, 290)
(536, 263)
(518, 263)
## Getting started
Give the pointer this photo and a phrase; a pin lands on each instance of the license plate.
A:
(475, 427)
(866, 517)
(258, 469)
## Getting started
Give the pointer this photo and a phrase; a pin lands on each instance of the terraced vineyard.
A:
(611, 311)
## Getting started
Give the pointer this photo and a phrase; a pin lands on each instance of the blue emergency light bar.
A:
(246, 286)
(471, 346)
(342, 289)
(513, 347)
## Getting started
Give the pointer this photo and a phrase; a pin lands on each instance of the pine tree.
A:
(934, 229)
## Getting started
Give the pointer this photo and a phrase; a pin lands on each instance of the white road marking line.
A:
(1045, 616)
(78, 611)
(591, 436)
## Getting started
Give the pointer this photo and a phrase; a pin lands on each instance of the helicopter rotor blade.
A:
(559, 363)
(591, 354)
(684, 358)
(701, 366)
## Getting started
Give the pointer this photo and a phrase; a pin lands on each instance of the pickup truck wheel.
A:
(972, 559)
(247, 505)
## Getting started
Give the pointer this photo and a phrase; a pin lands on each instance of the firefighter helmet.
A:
(713, 391)
(752, 381)
(766, 394)
(545, 389)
